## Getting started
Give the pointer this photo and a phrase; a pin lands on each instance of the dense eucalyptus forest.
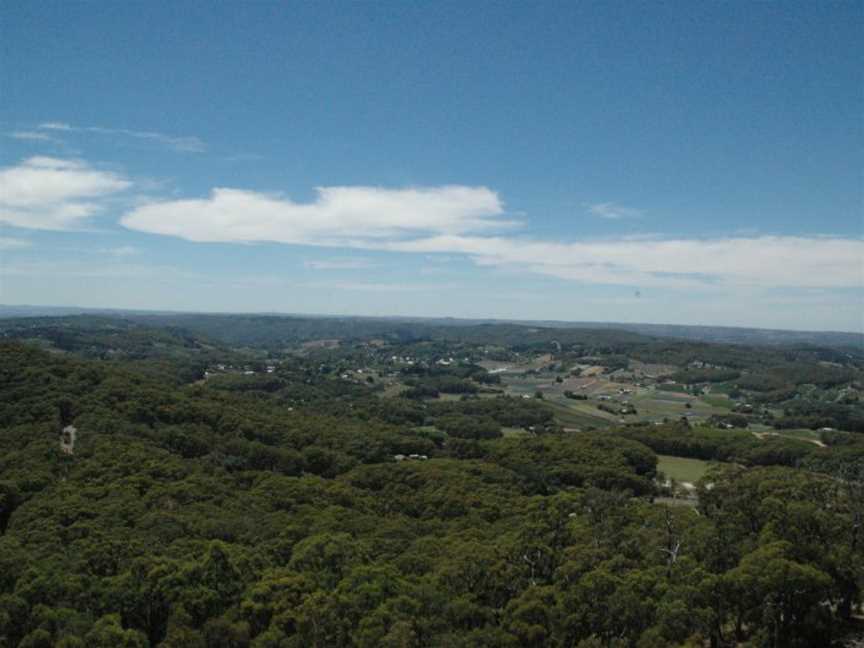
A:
(269, 482)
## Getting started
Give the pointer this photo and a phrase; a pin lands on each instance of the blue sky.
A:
(677, 162)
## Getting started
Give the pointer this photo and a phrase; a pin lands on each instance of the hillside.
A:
(297, 498)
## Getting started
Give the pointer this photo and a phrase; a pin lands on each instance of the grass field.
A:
(653, 406)
(570, 417)
(681, 469)
(722, 388)
(513, 432)
(719, 401)
(392, 390)
(797, 433)
(449, 397)
(675, 388)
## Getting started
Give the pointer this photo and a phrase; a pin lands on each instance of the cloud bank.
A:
(340, 216)
(765, 261)
(46, 193)
(53, 194)
(469, 220)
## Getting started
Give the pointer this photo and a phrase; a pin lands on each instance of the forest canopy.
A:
(278, 503)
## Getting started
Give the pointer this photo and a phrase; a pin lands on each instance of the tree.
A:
(780, 596)
(108, 633)
(10, 498)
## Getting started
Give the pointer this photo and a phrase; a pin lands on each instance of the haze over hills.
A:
(717, 334)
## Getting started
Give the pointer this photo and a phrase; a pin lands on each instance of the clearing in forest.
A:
(682, 469)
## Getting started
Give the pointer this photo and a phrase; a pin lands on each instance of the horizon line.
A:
(529, 321)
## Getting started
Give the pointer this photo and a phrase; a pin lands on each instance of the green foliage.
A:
(469, 427)
(729, 445)
(269, 509)
(815, 415)
(694, 376)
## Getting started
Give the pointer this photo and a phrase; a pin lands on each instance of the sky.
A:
(665, 162)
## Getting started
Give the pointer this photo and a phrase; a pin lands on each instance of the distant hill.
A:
(310, 326)
(728, 334)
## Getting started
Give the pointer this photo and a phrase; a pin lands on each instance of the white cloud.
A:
(182, 144)
(612, 211)
(343, 263)
(340, 216)
(55, 126)
(32, 136)
(462, 220)
(766, 261)
(7, 243)
(54, 194)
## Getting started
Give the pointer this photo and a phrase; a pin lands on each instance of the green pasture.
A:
(681, 468)
(572, 417)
